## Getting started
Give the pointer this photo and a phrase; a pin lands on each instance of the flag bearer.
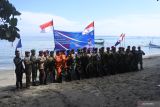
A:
(18, 70)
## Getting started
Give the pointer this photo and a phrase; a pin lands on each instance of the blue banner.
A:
(73, 40)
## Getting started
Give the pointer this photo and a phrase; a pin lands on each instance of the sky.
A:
(111, 17)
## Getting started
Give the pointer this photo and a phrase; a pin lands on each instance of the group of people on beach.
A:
(68, 65)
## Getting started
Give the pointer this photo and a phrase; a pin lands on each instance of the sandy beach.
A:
(120, 90)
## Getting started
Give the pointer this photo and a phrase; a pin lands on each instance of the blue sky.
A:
(112, 17)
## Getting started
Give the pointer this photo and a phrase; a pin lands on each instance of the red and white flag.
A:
(89, 28)
(46, 27)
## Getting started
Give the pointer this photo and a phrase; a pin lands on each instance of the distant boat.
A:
(99, 41)
(151, 45)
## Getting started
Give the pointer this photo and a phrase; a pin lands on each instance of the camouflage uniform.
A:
(41, 60)
(34, 67)
(28, 68)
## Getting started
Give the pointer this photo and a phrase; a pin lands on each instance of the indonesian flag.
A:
(120, 39)
(88, 29)
(46, 27)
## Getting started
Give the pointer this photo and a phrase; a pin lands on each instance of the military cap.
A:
(108, 48)
(27, 52)
(40, 52)
(17, 51)
(113, 47)
(51, 52)
(78, 49)
(133, 47)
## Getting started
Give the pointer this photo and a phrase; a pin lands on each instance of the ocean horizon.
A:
(47, 43)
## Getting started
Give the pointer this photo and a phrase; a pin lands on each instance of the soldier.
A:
(46, 70)
(128, 60)
(94, 64)
(19, 69)
(78, 64)
(41, 60)
(134, 59)
(69, 62)
(140, 59)
(51, 66)
(108, 50)
(84, 62)
(34, 67)
(107, 59)
(102, 61)
(113, 60)
(28, 68)
(128, 48)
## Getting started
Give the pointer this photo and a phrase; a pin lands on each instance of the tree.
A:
(8, 21)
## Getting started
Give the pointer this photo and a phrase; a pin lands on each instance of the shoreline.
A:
(12, 66)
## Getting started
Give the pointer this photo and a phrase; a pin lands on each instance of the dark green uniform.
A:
(18, 70)
(140, 59)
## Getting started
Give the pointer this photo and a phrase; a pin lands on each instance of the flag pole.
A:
(53, 34)
(125, 41)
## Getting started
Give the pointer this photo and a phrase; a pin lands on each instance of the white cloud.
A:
(134, 25)
(29, 23)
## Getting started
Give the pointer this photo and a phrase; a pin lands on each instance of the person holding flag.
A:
(18, 69)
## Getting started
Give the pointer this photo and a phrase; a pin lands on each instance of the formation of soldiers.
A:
(70, 65)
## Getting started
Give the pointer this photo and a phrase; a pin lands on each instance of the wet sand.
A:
(120, 90)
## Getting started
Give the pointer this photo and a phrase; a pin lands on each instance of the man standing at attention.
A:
(140, 59)
(28, 68)
(34, 66)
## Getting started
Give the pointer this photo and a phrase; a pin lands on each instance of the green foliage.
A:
(8, 21)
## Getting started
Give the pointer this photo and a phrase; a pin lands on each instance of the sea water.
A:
(7, 49)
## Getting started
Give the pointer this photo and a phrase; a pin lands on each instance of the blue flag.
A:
(19, 44)
(73, 40)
